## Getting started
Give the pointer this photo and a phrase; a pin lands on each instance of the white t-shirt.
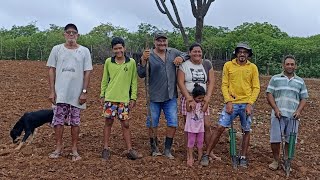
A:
(70, 65)
(194, 73)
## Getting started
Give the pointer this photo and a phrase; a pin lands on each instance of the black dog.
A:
(28, 123)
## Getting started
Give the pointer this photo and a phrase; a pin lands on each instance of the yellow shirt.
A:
(240, 84)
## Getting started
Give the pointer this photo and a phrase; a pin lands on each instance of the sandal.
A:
(55, 154)
(75, 156)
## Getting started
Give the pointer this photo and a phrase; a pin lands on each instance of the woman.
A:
(196, 70)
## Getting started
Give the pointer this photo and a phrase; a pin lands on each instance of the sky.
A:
(295, 17)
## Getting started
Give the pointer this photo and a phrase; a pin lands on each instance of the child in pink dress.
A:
(195, 122)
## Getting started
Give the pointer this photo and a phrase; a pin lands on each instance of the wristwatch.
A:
(84, 91)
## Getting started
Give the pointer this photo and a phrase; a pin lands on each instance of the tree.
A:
(199, 11)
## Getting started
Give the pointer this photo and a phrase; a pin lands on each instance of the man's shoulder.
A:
(83, 48)
(277, 75)
(172, 50)
(58, 46)
(228, 63)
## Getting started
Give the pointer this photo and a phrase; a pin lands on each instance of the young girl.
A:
(195, 122)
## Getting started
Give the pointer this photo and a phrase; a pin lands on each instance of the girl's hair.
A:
(198, 90)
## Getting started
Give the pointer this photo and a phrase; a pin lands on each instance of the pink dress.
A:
(195, 120)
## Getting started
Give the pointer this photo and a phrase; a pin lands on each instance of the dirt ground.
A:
(24, 87)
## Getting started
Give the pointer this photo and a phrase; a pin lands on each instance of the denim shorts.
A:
(226, 119)
(169, 109)
(286, 124)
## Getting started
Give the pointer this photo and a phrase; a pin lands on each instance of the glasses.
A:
(71, 32)
(243, 52)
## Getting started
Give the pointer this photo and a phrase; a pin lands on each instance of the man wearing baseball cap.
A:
(163, 63)
(240, 88)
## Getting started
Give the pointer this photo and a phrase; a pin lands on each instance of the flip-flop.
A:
(55, 155)
(75, 156)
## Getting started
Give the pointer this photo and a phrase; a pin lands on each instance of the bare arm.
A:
(273, 104)
(52, 78)
(182, 86)
(205, 107)
(210, 86)
(86, 79)
(302, 104)
(188, 106)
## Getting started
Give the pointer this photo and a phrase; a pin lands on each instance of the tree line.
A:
(269, 44)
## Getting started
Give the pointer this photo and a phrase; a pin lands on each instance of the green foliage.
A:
(268, 42)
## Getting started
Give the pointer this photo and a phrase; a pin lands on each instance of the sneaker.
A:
(167, 153)
(133, 155)
(274, 165)
(106, 154)
(243, 162)
(204, 160)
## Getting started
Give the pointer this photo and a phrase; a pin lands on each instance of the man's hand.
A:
(297, 114)
(52, 97)
(82, 98)
(229, 107)
(132, 104)
(146, 55)
(177, 61)
(248, 109)
(277, 113)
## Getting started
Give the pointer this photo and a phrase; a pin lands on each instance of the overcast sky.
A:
(296, 17)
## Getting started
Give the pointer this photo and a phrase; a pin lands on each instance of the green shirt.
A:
(119, 81)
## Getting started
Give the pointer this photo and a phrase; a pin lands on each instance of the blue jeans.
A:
(238, 110)
(169, 108)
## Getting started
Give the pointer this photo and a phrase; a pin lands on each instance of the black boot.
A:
(167, 148)
(154, 147)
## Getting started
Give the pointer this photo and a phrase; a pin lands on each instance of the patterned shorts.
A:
(66, 114)
(183, 104)
(113, 109)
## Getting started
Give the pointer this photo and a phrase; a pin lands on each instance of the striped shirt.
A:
(287, 93)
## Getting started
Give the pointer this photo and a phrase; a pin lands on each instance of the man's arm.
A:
(225, 84)
(143, 62)
(297, 113)
(52, 78)
(273, 104)
(255, 86)
(86, 79)
(134, 83)
(105, 80)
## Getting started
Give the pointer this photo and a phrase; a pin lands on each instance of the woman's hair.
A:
(198, 90)
(194, 45)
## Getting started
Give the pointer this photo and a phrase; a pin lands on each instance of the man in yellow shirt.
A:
(240, 88)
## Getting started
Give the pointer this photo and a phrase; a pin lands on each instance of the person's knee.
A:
(125, 124)
(109, 122)
(220, 129)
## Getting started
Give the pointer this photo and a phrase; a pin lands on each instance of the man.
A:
(162, 89)
(69, 65)
(240, 89)
(118, 95)
(286, 94)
